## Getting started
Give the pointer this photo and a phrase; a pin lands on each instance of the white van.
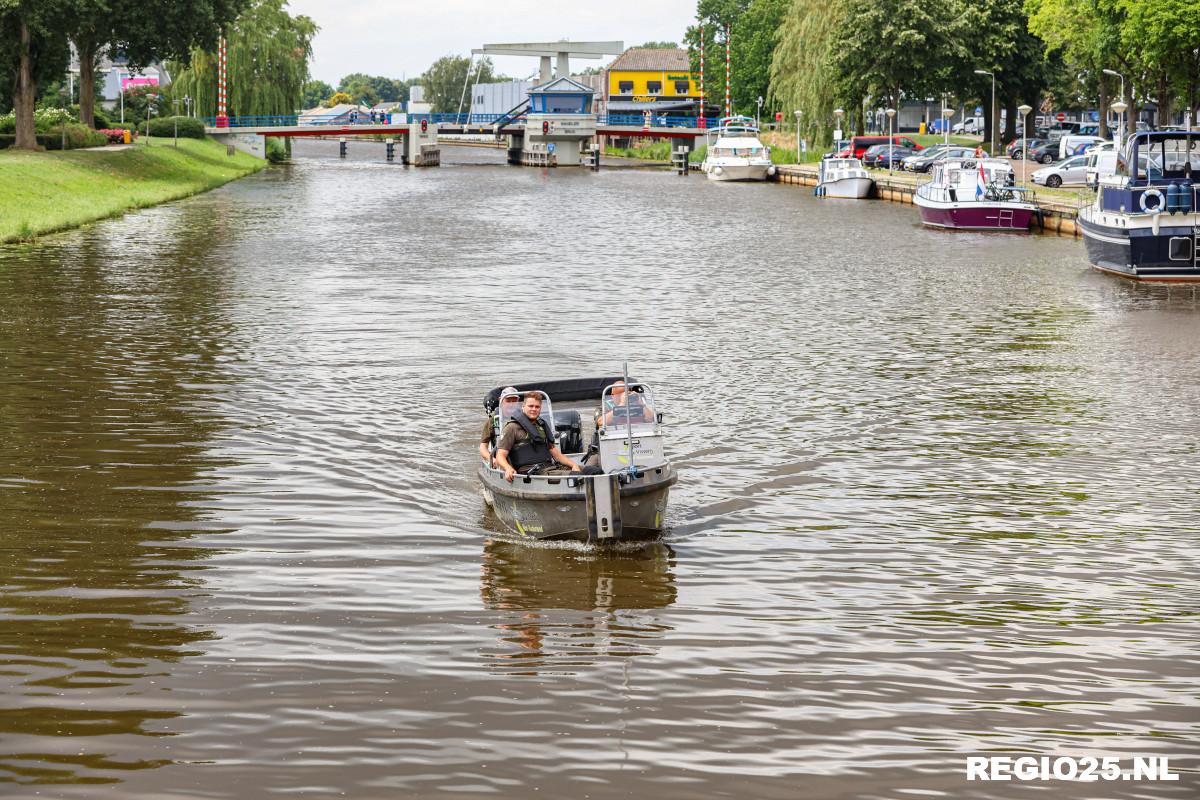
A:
(1101, 164)
(1068, 144)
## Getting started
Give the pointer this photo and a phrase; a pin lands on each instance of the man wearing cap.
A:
(509, 402)
(527, 446)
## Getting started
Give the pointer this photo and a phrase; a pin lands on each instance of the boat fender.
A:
(1185, 196)
(771, 170)
(717, 170)
(1154, 223)
(1173, 198)
(1157, 206)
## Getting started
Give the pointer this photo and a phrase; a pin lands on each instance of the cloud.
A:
(401, 39)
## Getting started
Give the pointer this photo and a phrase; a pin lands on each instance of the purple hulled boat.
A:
(975, 194)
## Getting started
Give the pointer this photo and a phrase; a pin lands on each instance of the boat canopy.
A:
(1161, 156)
(561, 391)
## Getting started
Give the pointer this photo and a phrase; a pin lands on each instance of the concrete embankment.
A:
(1058, 214)
(45, 192)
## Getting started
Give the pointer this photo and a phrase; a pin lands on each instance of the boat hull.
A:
(542, 507)
(737, 172)
(1136, 251)
(847, 188)
(982, 216)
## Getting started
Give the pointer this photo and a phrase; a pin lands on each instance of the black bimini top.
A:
(565, 390)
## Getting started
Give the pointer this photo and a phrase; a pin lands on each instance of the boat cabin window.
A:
(621, 408)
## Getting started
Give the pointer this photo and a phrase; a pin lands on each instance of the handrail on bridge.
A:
(634, 120)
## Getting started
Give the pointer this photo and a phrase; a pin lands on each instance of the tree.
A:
(659, 46)
(890, 49)
(315, 93)
(379, 88)
(801, 78)
(445, 78)
(715, 18)
(268, 55)
(153, 30)
(337, 99)
(33, 48)
(754, 41)
(138, 100)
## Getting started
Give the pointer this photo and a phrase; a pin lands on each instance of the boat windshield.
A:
(621, 408)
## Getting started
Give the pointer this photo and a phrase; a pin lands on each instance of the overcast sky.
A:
(400, 38)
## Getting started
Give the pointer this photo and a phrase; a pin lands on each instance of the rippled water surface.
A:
(938, 497)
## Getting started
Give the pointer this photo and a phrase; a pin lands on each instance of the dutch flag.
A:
(980, 182)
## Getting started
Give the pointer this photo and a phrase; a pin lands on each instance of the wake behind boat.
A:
(975, 194)
(626, 497)
(735, 153)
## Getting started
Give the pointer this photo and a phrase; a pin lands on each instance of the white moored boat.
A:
(843, 177)
(735, 153)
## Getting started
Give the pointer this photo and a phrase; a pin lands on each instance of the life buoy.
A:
(1158, 207)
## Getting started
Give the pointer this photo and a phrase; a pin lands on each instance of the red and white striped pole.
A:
(727, 81)
(222, 118)
(702, 122)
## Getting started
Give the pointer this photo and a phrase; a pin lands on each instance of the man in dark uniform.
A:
(508, 404)
(526, 445)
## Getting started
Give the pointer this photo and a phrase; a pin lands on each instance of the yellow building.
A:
(651, 79)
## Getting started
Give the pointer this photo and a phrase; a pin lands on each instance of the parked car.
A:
(860, 144)
(969, 125)
(1101, 164)
(1014, 150)
(876, 156)
(923, 163)
(1045, 153)
(1068, 172)
(1075, 144)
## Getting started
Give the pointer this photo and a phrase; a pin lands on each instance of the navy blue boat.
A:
(1145, 223)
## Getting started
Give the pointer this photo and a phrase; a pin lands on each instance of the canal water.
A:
(938, 497)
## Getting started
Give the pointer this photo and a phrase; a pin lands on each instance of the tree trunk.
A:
(1166, 102)
(1103, 106)
(1010, 121)
(24, 92)
(87, 81)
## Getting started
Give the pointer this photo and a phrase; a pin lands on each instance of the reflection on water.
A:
(610, 585)
(101, 443)
(938, 497)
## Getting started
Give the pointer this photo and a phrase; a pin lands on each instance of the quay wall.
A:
(1058, 218)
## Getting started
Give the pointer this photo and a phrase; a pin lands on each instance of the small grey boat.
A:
(627, 502)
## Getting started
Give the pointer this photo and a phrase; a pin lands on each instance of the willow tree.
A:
(268, 52)
(801, 78)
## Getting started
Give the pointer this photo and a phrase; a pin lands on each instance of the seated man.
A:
(526, 445)
(508, 404)
(624, 405)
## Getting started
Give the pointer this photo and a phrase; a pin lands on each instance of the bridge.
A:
(415, 130)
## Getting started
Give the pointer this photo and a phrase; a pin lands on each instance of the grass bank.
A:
(42, 193)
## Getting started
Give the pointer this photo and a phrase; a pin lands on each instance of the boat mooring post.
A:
(681, 159)
(391, 148)
(342, 147)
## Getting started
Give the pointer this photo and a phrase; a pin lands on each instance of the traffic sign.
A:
(1060, 116)
(550, 147)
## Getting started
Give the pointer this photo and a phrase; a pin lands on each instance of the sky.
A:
(400, 39)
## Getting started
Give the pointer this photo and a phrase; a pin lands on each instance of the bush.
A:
(189, 127)
(276, 150)
(101, 119)
(78, 135)
(8, 123)
(46, 120)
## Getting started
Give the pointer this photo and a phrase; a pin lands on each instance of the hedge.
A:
(77, 136)
(189, 127)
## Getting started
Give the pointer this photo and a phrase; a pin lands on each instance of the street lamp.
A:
(1116, 74)
(1024, 110)
(758, 113)
(175, 119)
(947, 113)
(992, 133)
(837, 133)
(1120, 107)
(187, 103)
(891, 112)
(798, 113)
